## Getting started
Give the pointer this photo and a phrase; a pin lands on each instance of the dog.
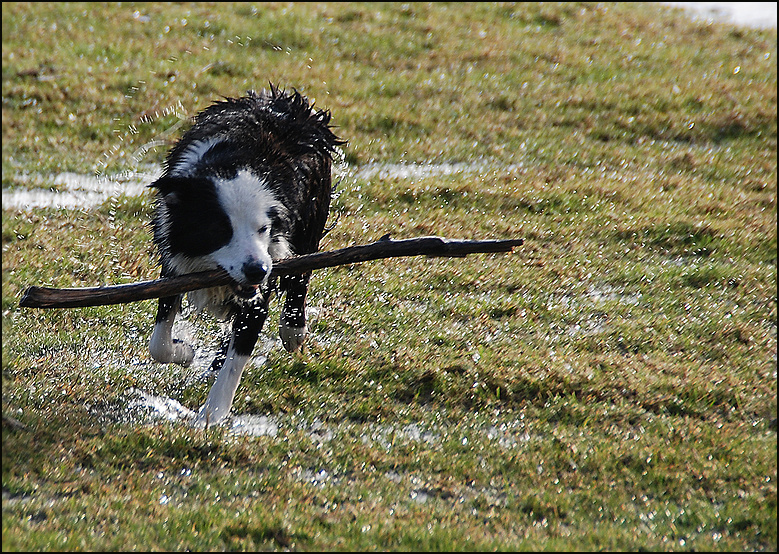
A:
(248, 184)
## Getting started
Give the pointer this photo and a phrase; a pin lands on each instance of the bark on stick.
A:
(45, 297)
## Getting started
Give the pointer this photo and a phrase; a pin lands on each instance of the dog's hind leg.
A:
(292, 326)
(162, 346)
(246, 328)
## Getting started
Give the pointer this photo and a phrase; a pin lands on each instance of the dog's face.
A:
(235, 223)
(256, 240)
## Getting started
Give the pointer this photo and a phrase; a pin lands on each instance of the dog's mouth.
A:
(245, 291)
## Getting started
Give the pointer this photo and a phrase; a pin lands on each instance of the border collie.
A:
(248, 184)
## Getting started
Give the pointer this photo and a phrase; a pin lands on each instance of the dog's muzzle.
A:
(255, 274)
(245, 291)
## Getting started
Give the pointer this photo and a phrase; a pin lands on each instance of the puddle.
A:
(74, 190)
(593, 304)
(255, 426)
(157, 407)
(150, 408)
(78, 191)
(144, 408)
(758, 15)
(382, 171)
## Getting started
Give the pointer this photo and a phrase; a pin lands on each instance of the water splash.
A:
(151, 408)
(157, 407)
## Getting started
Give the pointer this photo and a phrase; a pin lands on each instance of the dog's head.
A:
(235, 223)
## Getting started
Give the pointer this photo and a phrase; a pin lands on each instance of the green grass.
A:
(611, 385)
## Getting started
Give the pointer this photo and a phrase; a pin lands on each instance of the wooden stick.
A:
(45, 297)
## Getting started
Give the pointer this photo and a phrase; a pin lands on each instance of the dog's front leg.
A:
(163, 347)
(292, 327)
(246, 328)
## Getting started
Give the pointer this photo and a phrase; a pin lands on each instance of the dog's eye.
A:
(262, 230)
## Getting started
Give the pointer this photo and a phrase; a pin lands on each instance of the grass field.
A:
(611, 385)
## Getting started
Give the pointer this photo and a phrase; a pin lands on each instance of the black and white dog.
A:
(248, 184)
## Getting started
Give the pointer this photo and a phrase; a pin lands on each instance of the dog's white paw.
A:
(209, 415)
(175, 352)
(292, 337)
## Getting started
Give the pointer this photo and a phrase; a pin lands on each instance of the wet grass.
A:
(611, 385)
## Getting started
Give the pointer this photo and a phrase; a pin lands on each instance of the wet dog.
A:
(249, 183)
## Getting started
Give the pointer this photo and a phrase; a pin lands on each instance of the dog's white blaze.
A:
(246, 201)
(192, 155)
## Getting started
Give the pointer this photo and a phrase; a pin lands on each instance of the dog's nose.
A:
(255, 271)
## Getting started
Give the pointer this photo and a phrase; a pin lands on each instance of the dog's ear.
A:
(168, 184)
(170, 187)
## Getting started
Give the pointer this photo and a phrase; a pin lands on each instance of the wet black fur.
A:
(278, 135)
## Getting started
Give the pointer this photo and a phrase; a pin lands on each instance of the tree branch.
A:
(45, 297)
